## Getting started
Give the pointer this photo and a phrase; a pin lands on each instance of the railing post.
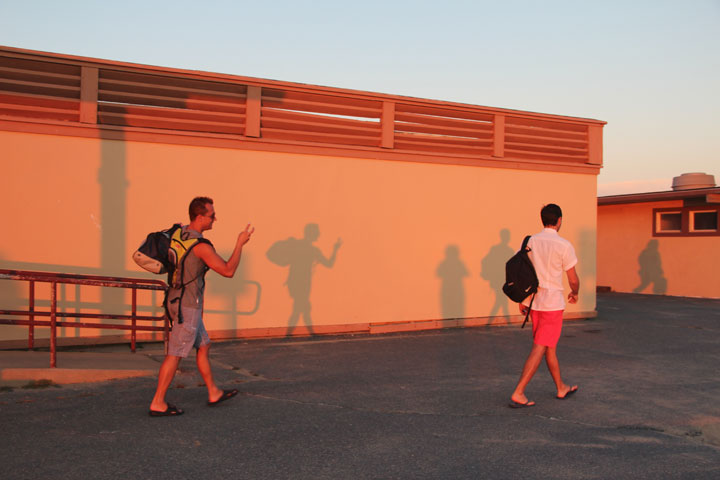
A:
(134, 321)
(253, 105)
(31, 316)
(387, 125)
(499, 136)
(89, 95)
(53, 319)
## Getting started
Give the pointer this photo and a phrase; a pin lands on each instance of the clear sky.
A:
(650, 68)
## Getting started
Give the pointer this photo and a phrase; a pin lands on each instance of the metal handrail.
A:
(54, 279)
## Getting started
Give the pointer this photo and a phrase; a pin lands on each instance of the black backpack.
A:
(520, 278)
(153, 256)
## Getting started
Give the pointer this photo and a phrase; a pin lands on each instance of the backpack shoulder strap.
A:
(175, 227)
(525, 243)
(527, 314)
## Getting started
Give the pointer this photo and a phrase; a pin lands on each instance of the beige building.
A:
(663, 243)
(424, 199)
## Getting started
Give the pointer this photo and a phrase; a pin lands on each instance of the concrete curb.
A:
(74, 367)
(64, 376)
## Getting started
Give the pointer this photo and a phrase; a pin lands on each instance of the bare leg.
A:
(531, 365)
(165, 378)
(203, 365)
(554, 366)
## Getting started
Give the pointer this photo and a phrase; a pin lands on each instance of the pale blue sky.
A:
(650, 68)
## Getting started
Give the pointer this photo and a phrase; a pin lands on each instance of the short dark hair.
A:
(550, 214)
(197, 206)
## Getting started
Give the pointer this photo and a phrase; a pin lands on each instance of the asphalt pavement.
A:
(428, 405)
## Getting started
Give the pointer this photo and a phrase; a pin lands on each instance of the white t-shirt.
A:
(551, 256)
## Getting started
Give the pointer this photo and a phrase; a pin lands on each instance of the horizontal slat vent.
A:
(39, 90)
(305, 117)
(534, 139)
(170, 103)
(441, 131)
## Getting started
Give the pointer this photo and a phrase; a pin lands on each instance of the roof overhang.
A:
(710, 195)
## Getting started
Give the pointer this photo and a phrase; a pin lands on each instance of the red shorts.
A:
(546, 327)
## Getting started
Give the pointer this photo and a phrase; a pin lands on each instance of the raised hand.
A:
(245, 235)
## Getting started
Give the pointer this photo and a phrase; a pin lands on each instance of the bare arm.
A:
(574, 282)
(207, 254)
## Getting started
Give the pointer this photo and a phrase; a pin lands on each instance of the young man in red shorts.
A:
(551, 255)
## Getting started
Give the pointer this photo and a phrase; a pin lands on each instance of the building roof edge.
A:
(661, 196)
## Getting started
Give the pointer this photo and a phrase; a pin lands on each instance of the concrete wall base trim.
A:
(62, 376)
(304, 331)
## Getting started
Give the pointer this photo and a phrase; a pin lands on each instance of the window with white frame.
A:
(686, 221)
(669, 222)
(703, 220)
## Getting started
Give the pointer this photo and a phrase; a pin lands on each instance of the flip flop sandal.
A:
(170, 411)
(570, 392)
(527, 404)
(225, 395)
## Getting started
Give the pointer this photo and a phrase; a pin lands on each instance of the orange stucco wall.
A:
(628, 254)
(420, 241)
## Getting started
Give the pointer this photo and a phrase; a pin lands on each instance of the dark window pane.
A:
(705, 221)
(670, 222)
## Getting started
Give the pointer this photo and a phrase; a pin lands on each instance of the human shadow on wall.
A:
(492, 269)
(586, 249)
(651, 271)
(587, 253)
(301, 256)
(452, 272)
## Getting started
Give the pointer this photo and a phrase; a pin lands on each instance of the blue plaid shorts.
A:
(191, 333)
